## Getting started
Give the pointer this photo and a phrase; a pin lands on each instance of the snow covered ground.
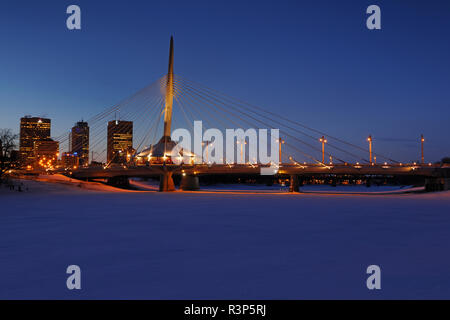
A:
(339, 189)
(211, 245)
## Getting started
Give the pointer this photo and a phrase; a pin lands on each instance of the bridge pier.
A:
(166, 182)
(189, 183)
(294, 185)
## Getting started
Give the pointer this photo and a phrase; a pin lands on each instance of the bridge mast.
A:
(166, 180)
(169, 95)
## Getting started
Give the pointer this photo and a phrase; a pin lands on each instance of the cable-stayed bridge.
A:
(174, 102)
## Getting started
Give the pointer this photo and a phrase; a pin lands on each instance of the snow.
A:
(261, 188)
(220, 245)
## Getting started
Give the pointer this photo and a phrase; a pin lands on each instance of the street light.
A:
(323, 140)
(280, 142)
(242, 143)
(370, 148)
(422, 140)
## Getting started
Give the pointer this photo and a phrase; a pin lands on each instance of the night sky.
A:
(314, 61)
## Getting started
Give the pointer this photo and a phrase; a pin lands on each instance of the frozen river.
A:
(222, 246)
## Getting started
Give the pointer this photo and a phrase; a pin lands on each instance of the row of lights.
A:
(373, 159)
(322, 140)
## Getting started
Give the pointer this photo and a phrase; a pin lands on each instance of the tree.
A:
(7, 144)
(445, 160)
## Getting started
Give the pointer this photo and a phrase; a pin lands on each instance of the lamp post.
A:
(323, 140)
(370, 148)
(422, 140)
(280, 142)
(242, 143)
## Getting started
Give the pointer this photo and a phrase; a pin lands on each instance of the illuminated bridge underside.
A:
(156, 170)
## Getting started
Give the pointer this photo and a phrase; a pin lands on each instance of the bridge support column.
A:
(189, 183)
(294, 185)
(166, 182)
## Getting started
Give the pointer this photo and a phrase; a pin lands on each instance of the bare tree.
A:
(7, 145)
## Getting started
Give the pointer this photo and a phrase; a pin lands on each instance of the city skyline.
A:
(345, 80)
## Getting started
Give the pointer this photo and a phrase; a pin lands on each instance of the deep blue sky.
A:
(313, 60)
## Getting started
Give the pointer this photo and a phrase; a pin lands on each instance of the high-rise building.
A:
(32, 129)
(69, 160)
(120, 141)
(46, 152)
(79, 141)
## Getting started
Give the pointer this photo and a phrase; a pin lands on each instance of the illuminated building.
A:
(120, 141)
(69, 160)
(46, 153)
(80, 142)
(32, 129)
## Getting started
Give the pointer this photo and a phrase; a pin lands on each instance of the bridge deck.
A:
(285, 169)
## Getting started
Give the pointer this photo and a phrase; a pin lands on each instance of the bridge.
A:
(302, 150)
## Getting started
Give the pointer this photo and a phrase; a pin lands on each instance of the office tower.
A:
(32, 129)
(120, 141)
(69, 160)
(79, 142)
(46, 152)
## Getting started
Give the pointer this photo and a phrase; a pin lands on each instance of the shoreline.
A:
(62, 184)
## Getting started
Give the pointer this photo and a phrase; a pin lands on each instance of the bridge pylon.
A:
(169, 94)
(166, 180)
